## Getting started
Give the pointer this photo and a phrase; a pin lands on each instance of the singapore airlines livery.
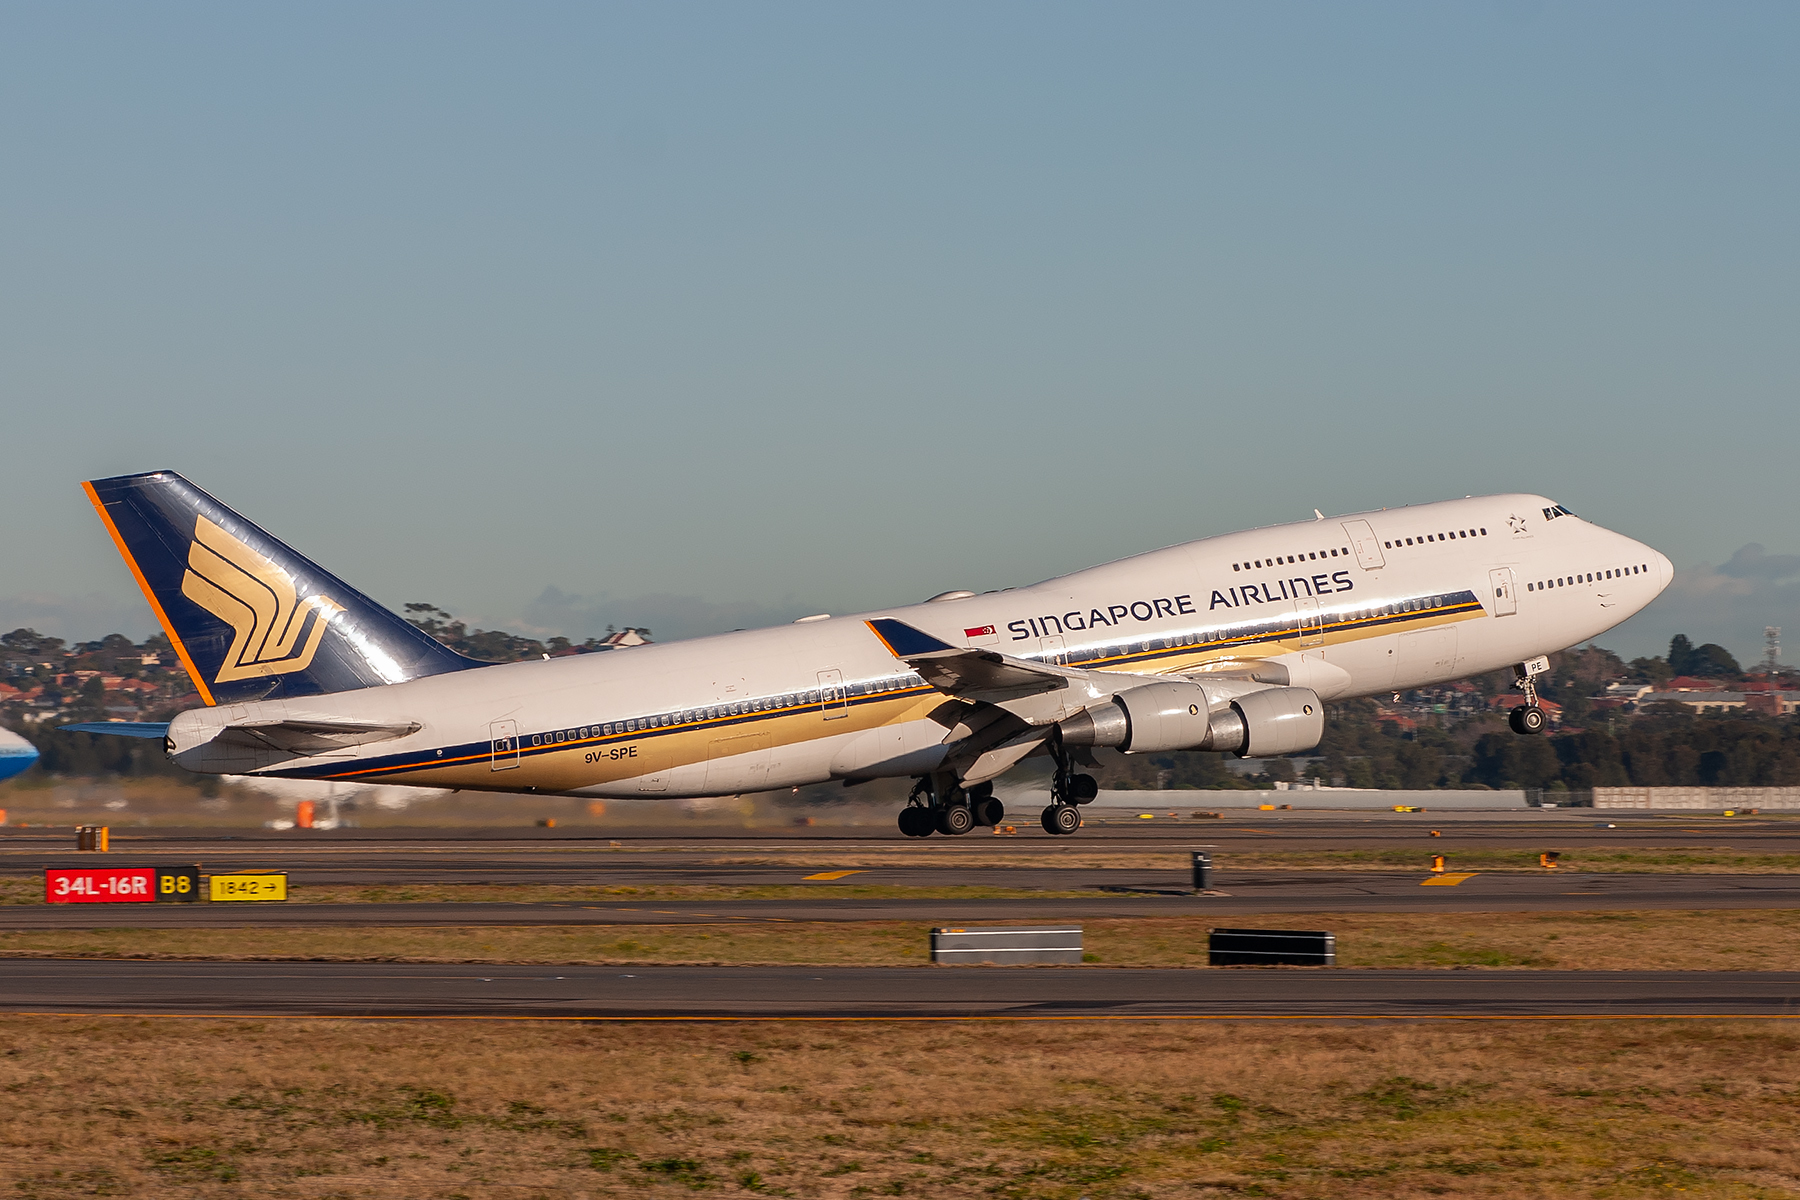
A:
(1231, 643)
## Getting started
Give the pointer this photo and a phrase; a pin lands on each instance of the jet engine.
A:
(1176, 716)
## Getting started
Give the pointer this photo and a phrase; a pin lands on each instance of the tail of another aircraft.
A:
(250, 618)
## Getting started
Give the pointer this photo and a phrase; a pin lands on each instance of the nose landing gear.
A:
(1528, 718)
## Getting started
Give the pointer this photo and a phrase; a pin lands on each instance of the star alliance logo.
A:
(1517, 523)
(276, 632)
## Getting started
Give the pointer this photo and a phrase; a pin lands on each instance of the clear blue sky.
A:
(699, 315)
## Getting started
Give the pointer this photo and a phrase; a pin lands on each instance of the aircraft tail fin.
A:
(251, 618)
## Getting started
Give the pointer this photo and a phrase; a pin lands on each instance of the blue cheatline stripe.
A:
(1273, 629)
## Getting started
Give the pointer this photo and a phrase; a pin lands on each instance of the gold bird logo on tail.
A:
(276, 632)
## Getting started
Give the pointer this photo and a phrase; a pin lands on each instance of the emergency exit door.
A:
(832, 700)
(503, 744)
(1311, 631)
(1505, 602)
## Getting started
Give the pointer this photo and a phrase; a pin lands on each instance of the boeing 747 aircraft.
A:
(1231, 643)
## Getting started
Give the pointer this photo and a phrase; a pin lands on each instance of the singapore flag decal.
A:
(981, 633)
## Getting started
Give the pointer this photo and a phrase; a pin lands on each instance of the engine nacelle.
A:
(1175, 716)
(1279, 721)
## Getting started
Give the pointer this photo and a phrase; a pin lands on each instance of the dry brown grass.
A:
(1756, 940)
(469, 1111)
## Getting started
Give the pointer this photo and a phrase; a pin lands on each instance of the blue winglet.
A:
(905, 641)
(137, 729)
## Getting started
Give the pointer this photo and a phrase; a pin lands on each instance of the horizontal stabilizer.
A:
(136, 729)
(966, 674)
(310, 737)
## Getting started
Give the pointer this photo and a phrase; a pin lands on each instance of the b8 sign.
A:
(179, 885)
(99, 885)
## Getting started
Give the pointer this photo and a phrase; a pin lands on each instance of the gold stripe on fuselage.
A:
(597, 761)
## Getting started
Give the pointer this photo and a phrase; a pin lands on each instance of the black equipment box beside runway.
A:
(1271, 948)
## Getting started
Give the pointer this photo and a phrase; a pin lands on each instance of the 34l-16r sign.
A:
(120, 885)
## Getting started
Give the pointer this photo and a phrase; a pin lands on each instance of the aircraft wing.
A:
(967, 674)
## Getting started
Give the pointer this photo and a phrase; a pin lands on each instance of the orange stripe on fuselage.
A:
(161, 616)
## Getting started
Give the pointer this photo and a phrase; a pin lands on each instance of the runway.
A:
(391, 990)
(557, 855)
(1126, 894)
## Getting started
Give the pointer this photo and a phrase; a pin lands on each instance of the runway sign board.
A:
(177, 885)
(257, 885)
(99, 885)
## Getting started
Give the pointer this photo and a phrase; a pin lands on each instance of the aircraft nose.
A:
(1660, 567)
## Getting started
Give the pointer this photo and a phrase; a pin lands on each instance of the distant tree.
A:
(28, 645)
(1713, 661)
(435, 621)
(1681, 655)
(1653, 671)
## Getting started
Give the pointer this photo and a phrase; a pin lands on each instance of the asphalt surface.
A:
(1030, 861)
(544, 855)
(390, 990)
(1131, 894)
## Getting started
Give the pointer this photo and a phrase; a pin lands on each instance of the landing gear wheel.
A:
(1526, 718)
(955, 820)
(988, 811)
(1083, 788)
(916, 822)
(1060, 819)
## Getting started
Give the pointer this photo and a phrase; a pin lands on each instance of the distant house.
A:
(1687, 683)
(625, 638)
(1772, 703)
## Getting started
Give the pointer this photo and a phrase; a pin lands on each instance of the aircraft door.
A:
(1055, 650)
(503, 744)
(832, 700)
(1366, 545)
(1312, 632)
(1506, 603)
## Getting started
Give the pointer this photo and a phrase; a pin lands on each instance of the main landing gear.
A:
(1067, 790)
(939, 804)
(1528, 717)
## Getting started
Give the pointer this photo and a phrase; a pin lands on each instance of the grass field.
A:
(1765, 940)
(1011, 1111)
